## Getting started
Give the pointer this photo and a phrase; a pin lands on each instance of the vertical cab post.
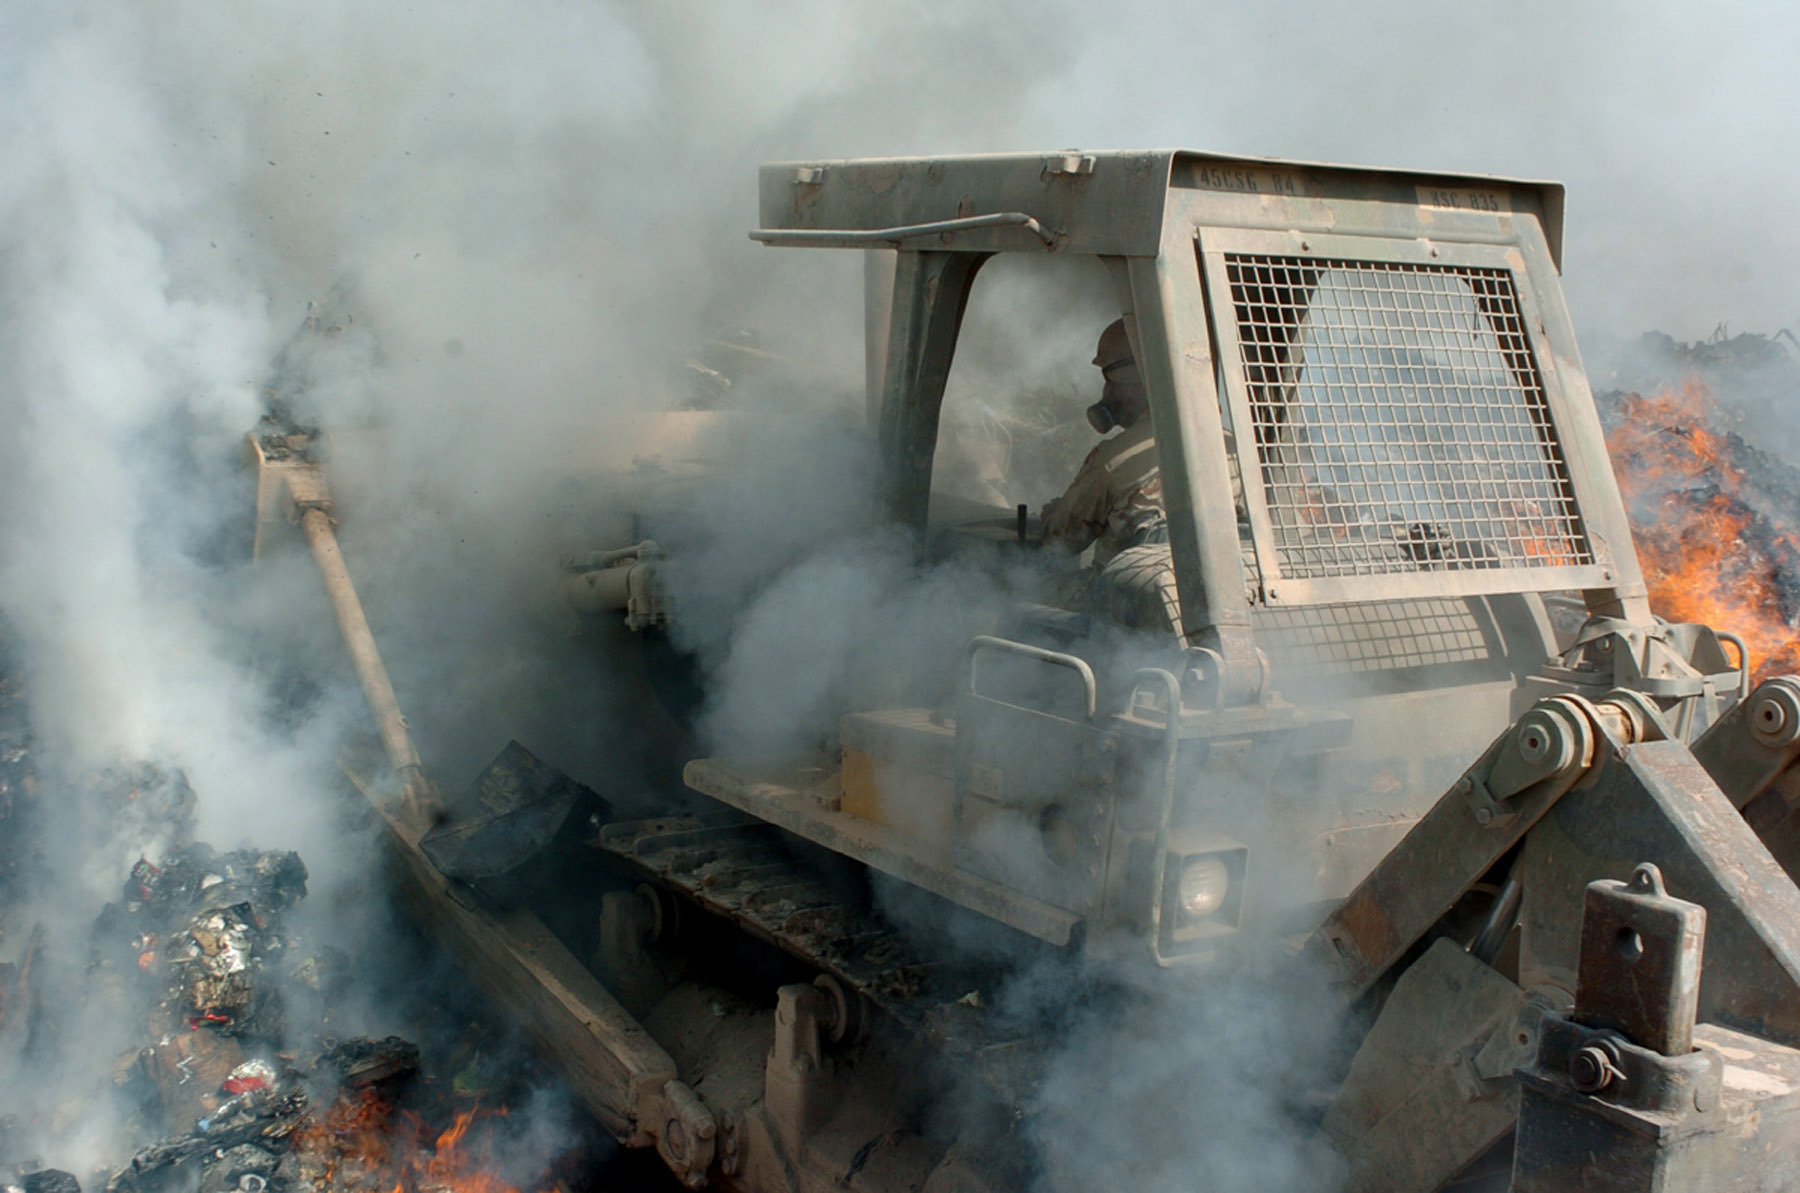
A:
(878, 315)
(931, 290)
(1176, 358)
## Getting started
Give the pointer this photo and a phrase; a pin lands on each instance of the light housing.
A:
(1202, 892)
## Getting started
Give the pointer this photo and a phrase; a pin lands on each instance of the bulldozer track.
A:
(743, 870)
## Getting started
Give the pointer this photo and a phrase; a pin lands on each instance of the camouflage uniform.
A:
(1115, 499)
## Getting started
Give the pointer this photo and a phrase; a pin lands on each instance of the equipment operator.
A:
(1115, 500)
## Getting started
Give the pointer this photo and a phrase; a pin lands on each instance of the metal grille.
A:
(1374, 636)
(1399, 419)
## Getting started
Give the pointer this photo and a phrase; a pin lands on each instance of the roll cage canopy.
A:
(1387, 351)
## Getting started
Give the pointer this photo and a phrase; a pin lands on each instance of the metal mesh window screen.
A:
(1399, 419)
(1371, 636)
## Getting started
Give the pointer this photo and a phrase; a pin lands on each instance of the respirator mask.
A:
(1100, 417)
(1123, 389)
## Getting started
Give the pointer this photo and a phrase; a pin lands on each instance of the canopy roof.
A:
(1115, 201)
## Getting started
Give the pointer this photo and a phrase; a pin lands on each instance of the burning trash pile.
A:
(239, 1081)
(205, 937)
(1716, 519)
(200, 946)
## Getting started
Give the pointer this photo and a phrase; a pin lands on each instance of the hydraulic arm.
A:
(1576, 794)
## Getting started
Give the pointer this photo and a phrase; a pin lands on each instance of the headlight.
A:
(1204, 884)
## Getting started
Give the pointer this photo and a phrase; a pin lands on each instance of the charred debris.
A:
(236, 1059)
(240, 1083)
(240, 1078)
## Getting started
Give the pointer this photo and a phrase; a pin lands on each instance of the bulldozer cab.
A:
(1386, 355)
(1377, 450)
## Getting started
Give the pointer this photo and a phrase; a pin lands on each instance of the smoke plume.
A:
(518, 221)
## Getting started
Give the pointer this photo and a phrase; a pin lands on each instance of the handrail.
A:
(981, 642)
(857, 237)
(1171, 753)
(1743, 661)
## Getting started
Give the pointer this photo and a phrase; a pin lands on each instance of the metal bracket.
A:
(1640, 962)
(1549, 740)
(1775, 713)
(1746, 750)
(1077, 164)
(1520, 776)
(1682, 664)
(1515, 1042)
(1487, 811)
(797, 1076)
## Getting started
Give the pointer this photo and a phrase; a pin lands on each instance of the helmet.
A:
(1115, 345)
(1122, 403)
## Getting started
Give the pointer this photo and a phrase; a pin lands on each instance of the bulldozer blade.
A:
(518, 810)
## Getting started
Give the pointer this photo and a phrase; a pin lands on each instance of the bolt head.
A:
(1769, 715)
(1591, 1070)
(1534, 743)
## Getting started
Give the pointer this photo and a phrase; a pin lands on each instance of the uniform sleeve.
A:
(1078, 517)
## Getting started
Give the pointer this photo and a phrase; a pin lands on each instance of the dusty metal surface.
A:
(1755, 743)
(795, 805)
(1653, 800)
(1488, 811)
(1627, 1094)
(1432, 1083)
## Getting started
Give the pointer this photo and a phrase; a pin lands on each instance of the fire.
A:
(365, 1143)
(1709, 555)
(454, 1166)
(350, 1146)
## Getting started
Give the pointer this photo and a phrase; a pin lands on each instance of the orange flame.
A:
(350, 1146)
(363, 1143)
(1708, 555)
(451, 1166)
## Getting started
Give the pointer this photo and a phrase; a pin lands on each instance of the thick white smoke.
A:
(531, 210)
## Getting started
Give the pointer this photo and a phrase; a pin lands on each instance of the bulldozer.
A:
(1410, 740)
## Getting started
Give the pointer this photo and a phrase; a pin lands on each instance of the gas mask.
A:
(1122, 401)
(1100, 417)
